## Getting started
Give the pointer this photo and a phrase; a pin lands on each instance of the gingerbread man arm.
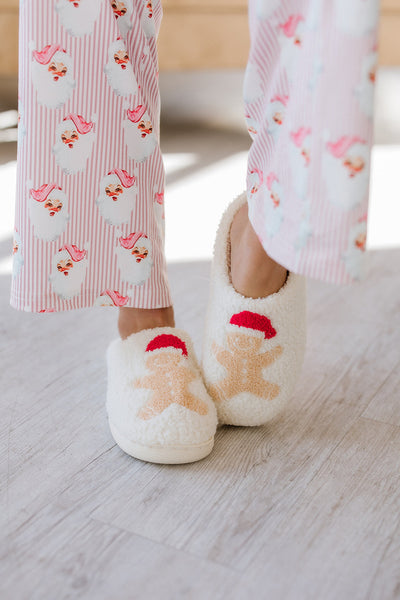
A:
(269, 357)
(223, 356)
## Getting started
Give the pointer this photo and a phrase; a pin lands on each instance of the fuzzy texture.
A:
(155, 395)
(251, 373)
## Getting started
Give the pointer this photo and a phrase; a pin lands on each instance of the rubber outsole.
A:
(167, 455)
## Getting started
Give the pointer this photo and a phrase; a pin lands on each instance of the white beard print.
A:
(356, 17)
(78, 20)
(117, 211)
(138, 148)
(298, 165)
(67, 286)
(304, 230)
(342, 190)
(122, 81)
(21, 129)
(252, 126)
(354, 257)
(51, 93)
(366, 89)
(72, 160)
(252, 88)
(266, 8)
(45, 226)
(132, 271)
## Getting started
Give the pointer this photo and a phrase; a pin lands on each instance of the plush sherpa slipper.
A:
(158, 408)
(253, 348)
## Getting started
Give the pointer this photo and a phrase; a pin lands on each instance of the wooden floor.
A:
(305, 508)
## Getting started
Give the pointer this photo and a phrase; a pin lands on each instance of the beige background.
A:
(201, 34)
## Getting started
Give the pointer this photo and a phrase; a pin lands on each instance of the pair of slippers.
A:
(164, 407)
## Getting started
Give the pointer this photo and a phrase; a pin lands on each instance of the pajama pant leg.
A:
(89, 226)
(308, 92)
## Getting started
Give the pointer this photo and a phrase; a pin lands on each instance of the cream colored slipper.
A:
(158, 408)
(253, 348)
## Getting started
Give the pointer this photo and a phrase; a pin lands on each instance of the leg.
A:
(309, 105)
(89, 223)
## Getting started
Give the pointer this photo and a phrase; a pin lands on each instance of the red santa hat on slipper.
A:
(41, 193)
(339, 149)
(270, 179)
(74, 252)
(282, 99)
(116, 297)
(167, 340)
(289, 28)
(136, 114)
(299, 136)
(254, 321)
(130, 241)
(44, 56)
(124, 177)
(79, 122)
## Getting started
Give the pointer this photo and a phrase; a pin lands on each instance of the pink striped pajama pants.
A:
(89, 220)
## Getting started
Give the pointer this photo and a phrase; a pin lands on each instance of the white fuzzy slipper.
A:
(253, 348)
(158, 408)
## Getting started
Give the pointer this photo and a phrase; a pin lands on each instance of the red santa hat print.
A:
(166, 340)
(116, 297)
(136, 114)
(289, 28)
(124, 177)
(340, 148)
(254, 321)
(74, 252)
(44, 56)
(81, 125)
(43, 191)
(132, 239)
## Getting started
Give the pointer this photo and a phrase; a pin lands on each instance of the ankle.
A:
(133, 320)
(253, 273)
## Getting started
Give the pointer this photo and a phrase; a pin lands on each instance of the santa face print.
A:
(122, 10)
(275, 115)
(111, 298)
(358, 17)
(18, 260)
(115, 201)
(119, 70)
(291, 39)
(72, 148)
(54, 80)
(78, 16)
(148, 19)
(49, 217)
(354, 256)
(273, 205)
(139, 138)
(349, 170)
(365, 90)
(67, 275)
(299, 158)
(135, 263)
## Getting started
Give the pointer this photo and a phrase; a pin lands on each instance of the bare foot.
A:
(253, 273)
(132, 320)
